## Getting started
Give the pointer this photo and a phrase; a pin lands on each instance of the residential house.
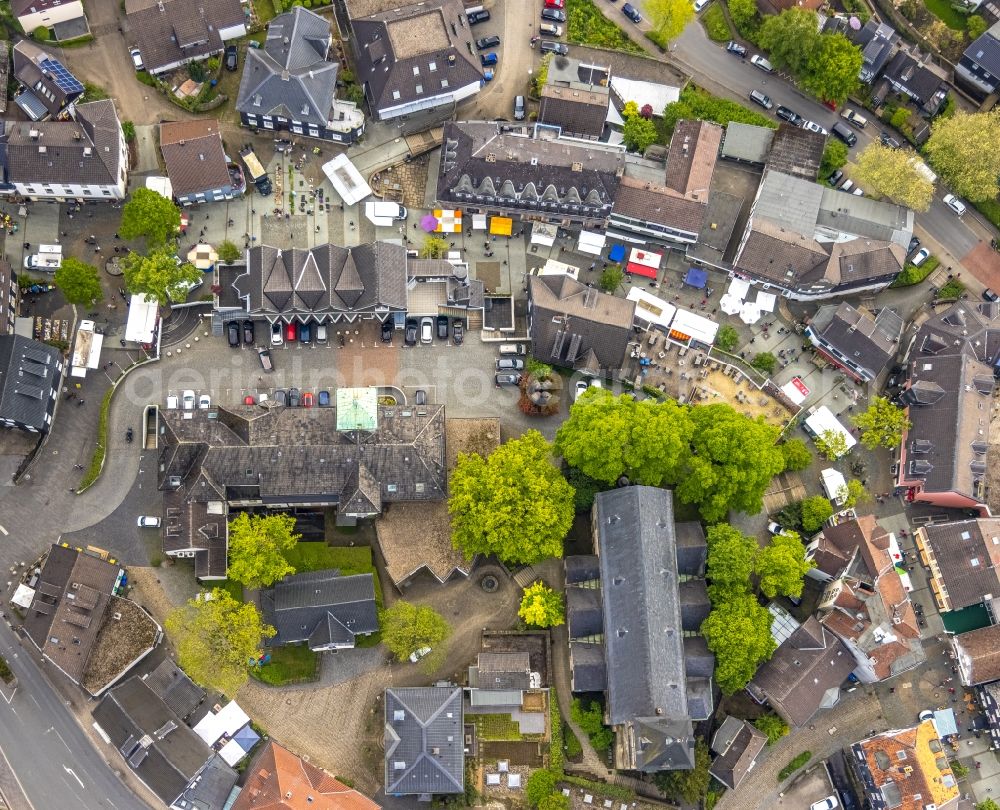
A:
(736, 745)
(805, 673)
(796, 152)
(978, 71)
(632, 606)
(196, 162)
(10, 297)
(576, 98)
(877, 41)
(977, 655)
(361, 456)
(290, 84)
(576, 326)
(942, 457)
(83, 158)
(503, 671)
(169, 683)
(65, 18)
(47, 89)
(413, 57)
(164, 753)
(963, 558)
(498, 169)
(859, 343)
(326, 283)
(906, 768)
(171, 33)
(424, 742)
(920, 84)
(812, 242)
(30, 376)
(279, 780)
(835, 549)
(322, 609)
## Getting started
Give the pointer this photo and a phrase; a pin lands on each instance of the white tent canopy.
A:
(543, 234)
(346, 180)
(738, 288)
(749, 313)
(590, 242)
(651, 310)
(143, 313)
(687, 324)
(228, 720)
(479, 222)
(765, 301)
(730, 304)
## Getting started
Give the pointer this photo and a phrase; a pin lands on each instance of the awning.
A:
(651, 309)
(944, 722)
(592, 243)
(696, 277)
(448, 221)
(542, 234)
(501, 226)
(479, 222)
(795, 390)
(617, 253)
(643, 263)
(557, 268)
(688, 325)
(203, 256)
(765, 301)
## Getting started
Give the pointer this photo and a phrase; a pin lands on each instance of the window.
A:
(432, 66)
(416, 70)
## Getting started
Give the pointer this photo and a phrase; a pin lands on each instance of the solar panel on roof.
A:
(65, 80)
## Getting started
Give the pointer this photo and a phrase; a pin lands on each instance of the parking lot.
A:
(813, 786)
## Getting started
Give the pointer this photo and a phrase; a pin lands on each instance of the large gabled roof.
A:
(29, 370)
(424, 740)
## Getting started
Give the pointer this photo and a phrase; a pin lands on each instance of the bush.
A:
(540, 784)
(586, 25)
(572, 747)
(5, 674)
(773, 726)
(591, 722)
(794, 765)
(147, 79)
(953, 289)
(41, 34)
(97, 459)
(958, 768)
(914, 275)
(556, 756)
(128, 129)
(93, 92)
(716, 26)
(698, 104)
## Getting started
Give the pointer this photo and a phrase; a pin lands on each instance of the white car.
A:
(426, 330)
(136, 58)
(579, 388)
(204, 402)
(416, 655)
(148, 522)
(187, 400)
(277, 338)
(172, 402)
(700, 4)
(759, 61)
(954, 204)
(829, 803)
(812, 126)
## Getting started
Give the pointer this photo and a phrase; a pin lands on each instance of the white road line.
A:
(71, 773)
(13, 773)
(2, 529)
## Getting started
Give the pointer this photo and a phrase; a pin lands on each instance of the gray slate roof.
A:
(290, 76)
(424, 741)
(857, 337)
(955, 547)
(321, 608)
(29, 370)
(171, 31)
(587, 667)
(507, 670)
(736, 744)
(169, 683)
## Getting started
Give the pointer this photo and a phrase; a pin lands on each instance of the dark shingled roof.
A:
(736, 744)
(864, 342)
(968, 558)
(796, 151)
(169, 683)
(45, 77)
(650, 203)
(194, 155)
(30, 372)
(588, 669)
(906, 71)
(173, 31)
(424, 742)
(581, 113)
(978, 655)
(584, 612)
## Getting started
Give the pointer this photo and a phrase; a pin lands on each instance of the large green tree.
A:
(151, 216)
(790, 38)
(892, 173)
(796, 454)
(831, 72)
(541, 606)
(514, 504)
(80, 283)
(216, 638)
(688, 786)
(159, 276)
(639, 133)
(963, 150)
(834, 157)
(815, 511)
(882, 424)
(738, 631)
(781, 565)
(743, 12)
(832, 444)
(731, 561)
(407, 628)
(257, 546)
(668, 17)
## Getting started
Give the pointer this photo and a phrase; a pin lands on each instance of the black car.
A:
(441, 324)
(420, 397)
(554, 14)
(737, 49)
(488, 42)
(293, 397)
(476, 17)
(632, 13)
(888, 140)
(386, 333)
(789, 115)
(248, 332)
(560, 48)
(835, 178)
(458, 332)
(232, 58)
(507, 379)
(233, 332)
(305, 333)
(989, 295)
(410, 333)
(914, 244)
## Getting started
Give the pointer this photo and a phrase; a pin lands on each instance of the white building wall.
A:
(51, 16)
(457, 95)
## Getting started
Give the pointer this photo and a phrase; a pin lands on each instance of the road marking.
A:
(71, 773)
(2, 529)
(60, 736)
(9, 699)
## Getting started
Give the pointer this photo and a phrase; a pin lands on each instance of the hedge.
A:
(914, 275)
(794, 765)
(97, 459)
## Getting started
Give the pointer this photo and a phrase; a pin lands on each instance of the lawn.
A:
(495, 726)
(943, 11)
(588, 26)
(293, 664)
(716, 25)
(235, 589)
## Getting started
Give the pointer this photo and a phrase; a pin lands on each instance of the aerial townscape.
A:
(515, 404)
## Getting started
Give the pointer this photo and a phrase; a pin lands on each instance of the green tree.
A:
(764, 362)
(540, 784)
(834, 157)
(257, 548)
(796, 454)
(738, 631)
(688, 786)
(216, 638)
(151, 216)
(640, 133)
(228, 252)
(514, 504)
(434, 247)
(832, 444)
(854, 493)
(882, 424)
(80, 283)
(590, 719)
(987, 804)
(727, 338)
(743, 12)
(158, 275)
(611, 278)
(668, 17)
(790, 38)
(41, 34)
(732, 462)
(407, 628)
(554, 801)
(541, 606)
(771, 725)
(732, 559)
(832, 70)
(976, 26)
(962, 149)
(815, 511)
(781, 565)
(893, 173)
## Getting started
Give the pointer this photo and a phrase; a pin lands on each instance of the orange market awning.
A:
(501, 226)
(448, 221)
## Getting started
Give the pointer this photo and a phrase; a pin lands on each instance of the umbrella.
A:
(749, 313)
(730, 304)
(855, 24)
(203, 257)
(429, 223)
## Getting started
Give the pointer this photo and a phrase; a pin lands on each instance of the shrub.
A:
(698, 104)
(586, 25)
(573, 747)
(914, 275)
(773, 726)
(727, 338)
(41, 34)
(953, 289)
(794, 765)
(128, 129)
(714, 20)
(97, 459)
(5, 674)
(591, 722)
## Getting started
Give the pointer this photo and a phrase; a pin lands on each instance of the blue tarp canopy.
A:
(696, 277)
(944, 722)
(246, 738)
(617, 253)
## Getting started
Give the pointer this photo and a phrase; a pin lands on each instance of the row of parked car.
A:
(424, 329)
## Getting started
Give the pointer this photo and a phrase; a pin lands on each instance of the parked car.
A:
(759, 61)
(488, 59)
(410, 333)
(555, 3)
(812, 126)
(136, 58)
(848, 185)
(835, 178)
(204, 402)
(321, 333)
(920, 257)
(172, 402)
(519, 100)
(277, 338)
(476, 17)
(307, 399)
(305, 333)
(280, 396)
(233, 333)
(248, 332)
(232, 58)
(148, 522)
(758, 97)
(510, 364)
(441, 326)
(554, 15)
(579, 388)
(416, 655)
(989, 295)
(485, 43)
(512, 378)
(632, 13)
(914, 244)
(512, 349)
(385, 332)
(700, 4)
(888, 140)
(774, 528)
(324, 399)
(954, 204)
(852, 117)
(187, 400)
(420, 397)
(547, 29)
(264, 355)
(558, 48)
(735, 48)
(829, 803)
(427, 329)
(458, 331)
(789, 115)
(291, 333)
(293, 397)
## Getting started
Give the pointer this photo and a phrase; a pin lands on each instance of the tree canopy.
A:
(80, 283)
(216, 639)
(882, 424)
(781, 566)
(158, 275)
(892, 173)
(815, 511)
(228, 252)
(832, 69)
(854, 493)
(743, 12)
(149, 215)
(790, 38)
(962, 149)
(640, 133)
(727, 338)
(832, 444)
(668, 17)
(515, 504)
(257, 546)
(738, 631)
(540, 784)
(796, 454)
(541, 606)
(407, 628)
(731, 561)
(688, 786)
(834, 157)
(773, 726)
(611, 278)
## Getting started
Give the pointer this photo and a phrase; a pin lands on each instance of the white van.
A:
(47, 260)
(384, 213)
(508, 349)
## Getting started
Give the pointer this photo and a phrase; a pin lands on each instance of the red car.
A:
(291, 333)
(555, 3)
(307, 399)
